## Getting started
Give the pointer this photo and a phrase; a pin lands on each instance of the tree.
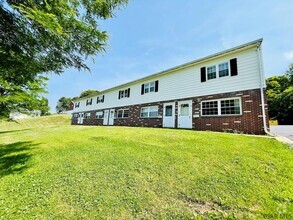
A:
(41, 36)
(21, 97)
(44, 106)
(87, 92)
(62, 104)
(280, 97)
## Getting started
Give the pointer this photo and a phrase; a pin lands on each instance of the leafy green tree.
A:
(280, 97)
(21, 97)
(88, 92)
(41, 36)
(44, 106)
(62, 104)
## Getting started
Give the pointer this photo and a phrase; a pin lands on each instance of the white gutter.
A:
(260, 63)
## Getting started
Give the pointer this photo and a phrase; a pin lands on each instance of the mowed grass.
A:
(51, 170)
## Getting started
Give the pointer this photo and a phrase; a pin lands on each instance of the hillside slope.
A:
(44, 121)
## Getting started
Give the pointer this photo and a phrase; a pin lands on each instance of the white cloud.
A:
(289, 55)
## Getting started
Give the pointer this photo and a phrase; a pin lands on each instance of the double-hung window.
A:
(212, 73)
(123, 113)
(150, 87)
(221, 107)
(87, 115)
(125, 93)
(99, 115)
(230, 107)
(76, 105)
(223, 69)
(209, 108)
(149, 112)
(89, 101)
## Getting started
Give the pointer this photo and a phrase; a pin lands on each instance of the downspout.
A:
(260, 61)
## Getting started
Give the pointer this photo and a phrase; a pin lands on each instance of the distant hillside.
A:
(44, 121)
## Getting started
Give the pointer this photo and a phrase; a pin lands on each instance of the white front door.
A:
(111, 117)
(106, 117)
(185, 114)
(80, 118)
(169, 115)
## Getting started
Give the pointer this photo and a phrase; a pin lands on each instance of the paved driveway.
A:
(283, 130)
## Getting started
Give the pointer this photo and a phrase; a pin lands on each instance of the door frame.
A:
(109, 118)
(106, 119)
(190, 114)
(173, 113)
(80, 118)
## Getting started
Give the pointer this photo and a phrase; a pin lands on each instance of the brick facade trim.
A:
(248, 122)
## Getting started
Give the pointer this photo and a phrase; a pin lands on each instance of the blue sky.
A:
(149, 36)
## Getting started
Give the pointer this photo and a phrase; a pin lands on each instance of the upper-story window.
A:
(100, 99)
(150, 87)
(231, 106)
(125, 93)
(219, 70)
(212, 73)
(223, 69)
(76, 105)
(89, 101)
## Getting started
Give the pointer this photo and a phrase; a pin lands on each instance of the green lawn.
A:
(51, 170)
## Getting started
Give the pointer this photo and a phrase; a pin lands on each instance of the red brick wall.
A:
(249, 122)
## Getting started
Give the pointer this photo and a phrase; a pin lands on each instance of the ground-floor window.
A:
(149, 112)
(99, 115)
(227, 106)
(87, 115)
(123, 113)
(75, 115)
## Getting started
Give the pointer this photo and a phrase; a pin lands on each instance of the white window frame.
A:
(229, 69)
(215, 71)
(75, 115)
(76, 104)
(123, 110)
(87, 115)
(149, 86)
(219, 107)
(99, 115)
(218, 70)
(124, 93)
(148, 111)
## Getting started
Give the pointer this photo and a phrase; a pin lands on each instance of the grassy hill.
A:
(51, 170)
(38, 122)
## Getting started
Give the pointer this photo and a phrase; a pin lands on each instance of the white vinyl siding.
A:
(186, 82)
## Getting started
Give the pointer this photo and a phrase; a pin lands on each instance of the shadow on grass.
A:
(10, 131)
(14, 158)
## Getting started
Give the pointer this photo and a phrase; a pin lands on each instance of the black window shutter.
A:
(233, 66)
(103, 99)
(128, 92)
(142, 89)
(156, 85)
(91, 100)
(119, 94)
(203, 74)
(98, 99)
